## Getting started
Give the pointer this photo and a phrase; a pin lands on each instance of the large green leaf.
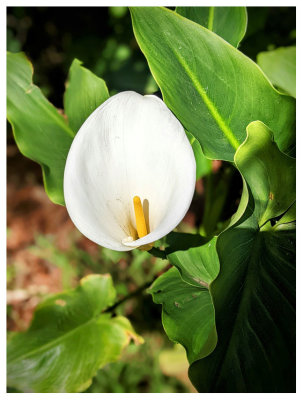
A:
(254, 294)
(41, 133)
(187, 308)
(280, 67)
(84, 93)
(69, 340)
(228, 22)
(212, 88)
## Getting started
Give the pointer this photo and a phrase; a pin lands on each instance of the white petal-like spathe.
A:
(131, 145)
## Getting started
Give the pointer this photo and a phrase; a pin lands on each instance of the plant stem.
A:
(129, 296)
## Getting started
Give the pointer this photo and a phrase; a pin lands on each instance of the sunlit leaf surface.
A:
(41, 133)
(69, 340)
(84, 93)
(214, 89)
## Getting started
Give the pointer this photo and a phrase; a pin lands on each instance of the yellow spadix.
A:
(140, 218)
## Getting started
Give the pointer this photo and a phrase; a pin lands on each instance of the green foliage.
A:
(194, 256)
(254, 294)
(228, 22)
(270, 174)
(182, 307)
(41, 133)
(280, 67)
(212, 88)
(228, 299)
(289, 216)
(84, 93)
(138, 370)
(184, 293)
(254, 298)
(69, 339)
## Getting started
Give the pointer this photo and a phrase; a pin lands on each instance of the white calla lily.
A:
(131, 146)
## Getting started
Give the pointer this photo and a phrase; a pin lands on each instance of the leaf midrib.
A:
(228, 133)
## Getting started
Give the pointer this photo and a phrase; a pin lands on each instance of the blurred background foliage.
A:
(46, 254)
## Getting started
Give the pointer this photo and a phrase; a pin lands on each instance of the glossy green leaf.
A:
(84, 93)
(228, 22)
(254, 299)
(41, 133)
(195, 257)
(270, 174)
(69, 340)
(203, 164)
(187, 313)
(280, 67)
(212, 88)
(254, 294)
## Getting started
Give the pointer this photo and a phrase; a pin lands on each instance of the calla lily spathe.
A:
(130, 146)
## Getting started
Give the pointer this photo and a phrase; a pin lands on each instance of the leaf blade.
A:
(259, 159)
(68, 340)
(228, 22)
(194, 256)
(253, 321)
(41, 133)
(280, 67)
(84, 93)
(183, 306)
(212, 88)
